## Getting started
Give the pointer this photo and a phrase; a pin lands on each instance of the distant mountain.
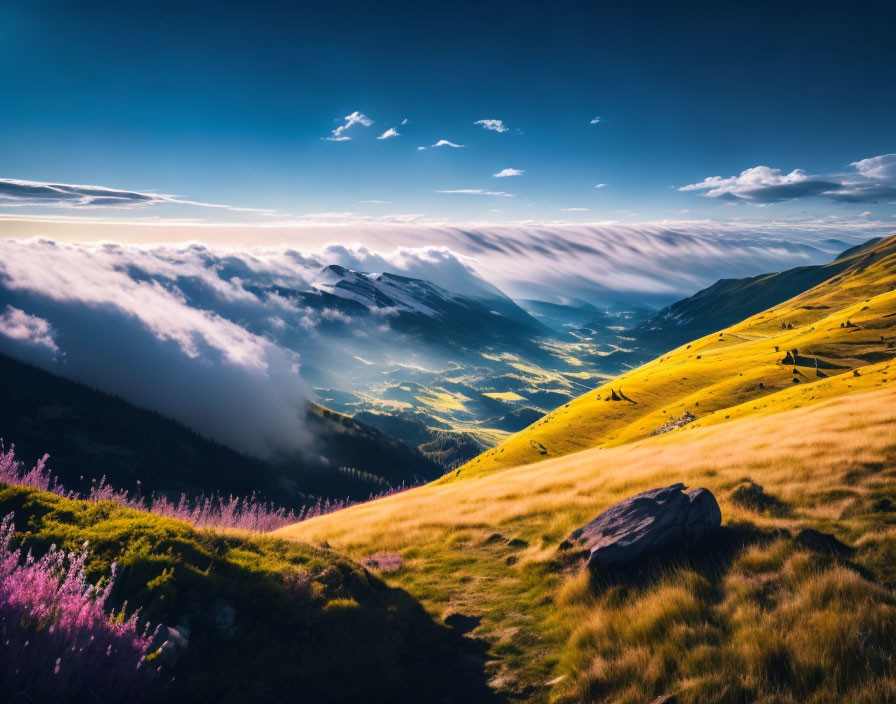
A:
(90, 434)
(235, 345)
(730, 300)
(437, 316)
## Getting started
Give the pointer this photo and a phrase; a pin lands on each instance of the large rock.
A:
(659, 519)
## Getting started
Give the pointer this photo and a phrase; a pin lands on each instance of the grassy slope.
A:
(758, 617)
(729, 301)
(310, 625)
(718, 377)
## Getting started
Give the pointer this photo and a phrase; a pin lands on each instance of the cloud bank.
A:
(209, 337)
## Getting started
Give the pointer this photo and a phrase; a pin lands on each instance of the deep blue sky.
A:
(228, 103)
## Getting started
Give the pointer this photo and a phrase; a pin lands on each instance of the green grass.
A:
(310, 624)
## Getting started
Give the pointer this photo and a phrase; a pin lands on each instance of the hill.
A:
(88, 432)
(729, 301)
(260, 619)
(757, 616)
(842, 332)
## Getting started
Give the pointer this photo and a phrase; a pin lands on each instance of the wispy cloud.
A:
(595, 120)
(17, 193)
(868, 181)
(601, 185)
(404, 121)
(478, 192)
(420, 149)
(356, 118)
(575, 210)
(504, 173)
(16, 324)
(389, 133)
(446, 143)
(492, 125)
(374, 201)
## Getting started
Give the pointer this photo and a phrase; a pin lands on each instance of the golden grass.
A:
(735, 373)
(785, 625)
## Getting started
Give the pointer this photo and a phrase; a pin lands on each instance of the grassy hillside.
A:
(756, 616)
(844, 331)
(266, 620)
(729, 301)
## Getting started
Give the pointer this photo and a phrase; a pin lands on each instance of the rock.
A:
(168, 644)
(657, 519)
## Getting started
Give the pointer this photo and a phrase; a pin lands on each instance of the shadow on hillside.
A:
(259, 620)
(371, 643)
(711, 558)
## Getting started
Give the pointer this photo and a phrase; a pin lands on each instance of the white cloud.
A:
(881, 167)
(420, 149)
(374, 201)
(492, 125)
(601, 185)
(575, 210)
(404, 121)
(18, 325)
(356, 118)
(870, 180)
(759, 184)
(478, 192)
(504, 173)
(595, 120)
(446, 143)
(391, 132)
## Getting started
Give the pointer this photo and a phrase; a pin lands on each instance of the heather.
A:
(56, 640)
(203, 511)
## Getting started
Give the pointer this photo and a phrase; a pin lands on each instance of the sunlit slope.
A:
(840, 326)
(487, 547)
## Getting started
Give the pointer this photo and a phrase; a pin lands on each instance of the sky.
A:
(270, 122)
(607, 152)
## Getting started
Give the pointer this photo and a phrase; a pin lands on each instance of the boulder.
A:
(659, 519)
